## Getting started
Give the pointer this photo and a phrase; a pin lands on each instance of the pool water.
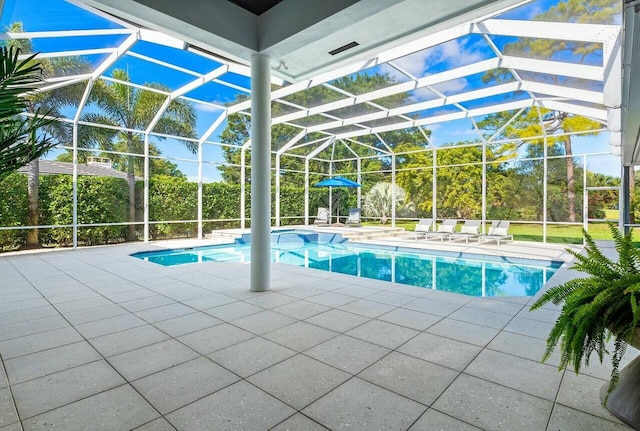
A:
(468, 274)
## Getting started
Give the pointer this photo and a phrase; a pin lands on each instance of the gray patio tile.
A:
(178, 386)
(110, 325)
(356, 291)
(146, 303)
(4, 381)
(30, 327)
(251, 356)
(523, 346)
(92, 314)
(359, 405)
(83, 304)
(405, 289)
(410, 318)
(517, 373)
(300, 309)
(367, 308)
(391, 298)
(263, 322)
(463, 331)
(427, 305)
(449, 297)
(298, 381)
(234, 310)
(72, 296)
(130, 295)
(530, 327)
(299, 422)
(164, 312)
(186, 292)
(413, 378)
(368, 282)
(29, 314)
(23, 305)
(160, 424)
(565, 418)
(327, 281)
(186, 324)
(129, 339)
(493, 407)
(209, 301)
(300, 336)
(270, 300)
(347, 353)
(240, 406)
(384, 334)
(215, 338)
(331, 299)
(49, 361)
(46, 393)
(13, 427)
(150, 359)
(120, 408)
(440, 350)
(19, 296)
(302, 292)
(496, 306)
(481, 317)
(434, 420)
(7, 409)
(582, 393)
(242, 293)
(542, 314)
(338, 320)
(37, 342)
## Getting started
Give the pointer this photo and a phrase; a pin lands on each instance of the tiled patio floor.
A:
(95, 339)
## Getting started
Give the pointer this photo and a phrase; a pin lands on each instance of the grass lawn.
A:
(533, 232)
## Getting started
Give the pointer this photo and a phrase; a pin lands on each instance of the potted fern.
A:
(602, 305)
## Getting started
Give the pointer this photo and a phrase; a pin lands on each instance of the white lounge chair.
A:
(424, 226)
(354, 218)
(447, 228)
(322, 219)
(499, 231)
(470, 230)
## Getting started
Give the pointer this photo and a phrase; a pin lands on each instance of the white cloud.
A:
(453, 86)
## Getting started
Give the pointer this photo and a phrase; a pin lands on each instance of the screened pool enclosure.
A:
(514, 115)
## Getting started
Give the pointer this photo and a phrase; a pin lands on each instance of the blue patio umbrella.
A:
(338, 182)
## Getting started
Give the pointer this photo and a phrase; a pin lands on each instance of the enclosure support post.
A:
(200, 199)
(260, 173)
(393, 190)
(243, 187)
(277, 201)
(484, 187)
(545, 169)
(146, 187)
(306, 191)
(75, 185)
(434, 187)
(625, 189)
(585, 195)
(359, 180)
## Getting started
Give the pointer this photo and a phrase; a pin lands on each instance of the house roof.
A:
(51, 167)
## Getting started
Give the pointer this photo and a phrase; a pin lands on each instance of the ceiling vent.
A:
(344, 48)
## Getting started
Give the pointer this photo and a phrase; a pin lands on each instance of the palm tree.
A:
(377, 202)
(128, 108)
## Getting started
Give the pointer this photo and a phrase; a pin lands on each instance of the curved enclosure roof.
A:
(515, 59)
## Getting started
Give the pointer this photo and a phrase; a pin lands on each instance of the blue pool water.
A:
(469, 274)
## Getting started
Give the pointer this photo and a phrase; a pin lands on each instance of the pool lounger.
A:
(470, 230)
(423, 227)
(499, 231)
(446, 229)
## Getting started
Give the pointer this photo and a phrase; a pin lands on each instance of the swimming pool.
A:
(465, 273)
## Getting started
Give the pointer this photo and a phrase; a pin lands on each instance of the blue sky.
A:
(43, 15)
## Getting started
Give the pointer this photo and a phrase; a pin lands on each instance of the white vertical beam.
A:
(243, 187)
(200, 196)
(434, 187)
(277, 200)
(359, 180)
(393, 190)
(75, 185)
(260, 173)
(306, 191)
(585, 196)
(146, 187)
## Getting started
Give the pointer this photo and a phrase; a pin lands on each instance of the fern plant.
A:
(595, 308)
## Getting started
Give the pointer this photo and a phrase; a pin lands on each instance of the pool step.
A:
(353, 235)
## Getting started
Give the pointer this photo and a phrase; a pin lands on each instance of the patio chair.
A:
(423, 227)
(447, 228)
(470, 230)
(354, 218)
(499, 231)
(322, 219)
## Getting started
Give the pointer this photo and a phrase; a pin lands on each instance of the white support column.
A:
(434, 187)
(200, 196)
(75, 185)
(306, 191)
(243, 188)
(585, 195)
(484, 187)
(359, 180)
(545, 164)
(393, 190)
(277, 201)
(146, 187)
(260, 173)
